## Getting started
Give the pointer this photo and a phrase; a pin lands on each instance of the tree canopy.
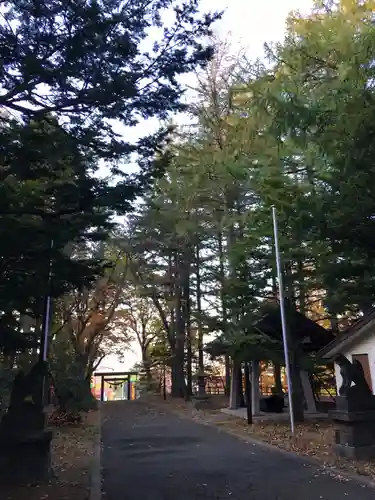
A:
(295, 134)
(74, 77)
(94, 62)
(70, 71)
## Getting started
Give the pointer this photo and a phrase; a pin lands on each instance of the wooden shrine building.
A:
(303, 334)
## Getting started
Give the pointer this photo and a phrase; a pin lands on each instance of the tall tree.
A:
(320, 98)
(49, 205)
(69, 73)
(95, 62)
(93, 319)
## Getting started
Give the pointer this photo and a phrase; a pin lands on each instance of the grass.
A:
(72, 452)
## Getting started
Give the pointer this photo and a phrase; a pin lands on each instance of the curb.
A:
(95, 469)
(334, 472)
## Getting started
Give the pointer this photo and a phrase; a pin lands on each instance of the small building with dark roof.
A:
(302, 332)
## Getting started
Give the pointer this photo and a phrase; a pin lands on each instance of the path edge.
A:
(95, 468)
(330, 470)
(351, 476)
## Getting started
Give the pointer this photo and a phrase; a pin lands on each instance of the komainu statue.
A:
(352, 373)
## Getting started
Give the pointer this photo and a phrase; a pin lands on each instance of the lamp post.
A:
(283, 321)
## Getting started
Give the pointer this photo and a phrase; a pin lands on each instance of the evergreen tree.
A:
(94, 62)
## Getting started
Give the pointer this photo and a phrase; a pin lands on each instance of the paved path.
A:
(148, 455)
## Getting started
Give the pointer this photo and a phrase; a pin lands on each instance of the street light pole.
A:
(283, 321)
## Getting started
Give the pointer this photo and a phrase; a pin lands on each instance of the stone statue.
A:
(352, 373)
(25, 412)
(354, 415)
(25, 444)
(27, 388)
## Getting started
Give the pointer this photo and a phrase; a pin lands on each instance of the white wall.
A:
(365, 346)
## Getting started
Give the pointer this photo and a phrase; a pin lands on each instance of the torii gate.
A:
(116, 377)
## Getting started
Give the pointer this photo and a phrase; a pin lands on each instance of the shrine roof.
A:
(300, 328)
(351, 335)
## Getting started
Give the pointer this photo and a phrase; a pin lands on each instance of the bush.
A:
(73, 394)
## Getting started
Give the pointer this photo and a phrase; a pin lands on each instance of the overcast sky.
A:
(253, 22)
(247, 24)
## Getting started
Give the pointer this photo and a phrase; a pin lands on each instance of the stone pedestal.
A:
(308, 392)
(25, 446)
(25, 459)
(354, 428)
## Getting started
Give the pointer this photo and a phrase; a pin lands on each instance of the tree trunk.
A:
(146, 364)
(294, 349)
(227, 375)
(178, 378)
(277, 377)
(164, 384)
(201, 380)
(73, 389)
(179, 389)
(172, 330)
(297, 391)
(248, 394)
(189, 359)
(187, 320)
(301, 286)
(174, 379)
(234, 392)
(240, 387)
(224, 310)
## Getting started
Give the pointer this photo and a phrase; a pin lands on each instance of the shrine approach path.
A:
(151, 455)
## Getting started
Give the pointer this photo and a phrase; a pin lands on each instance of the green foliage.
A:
(47, 194)
(70, 74)
(71, 386)
(298, 135)
(96, 64)
(320, 99)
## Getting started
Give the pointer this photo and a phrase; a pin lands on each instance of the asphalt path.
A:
(151, 455)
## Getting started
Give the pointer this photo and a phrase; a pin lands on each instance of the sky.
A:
(246, 24)
(253, 22)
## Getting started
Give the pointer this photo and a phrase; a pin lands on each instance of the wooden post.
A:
(129, 388)
(102, 388)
